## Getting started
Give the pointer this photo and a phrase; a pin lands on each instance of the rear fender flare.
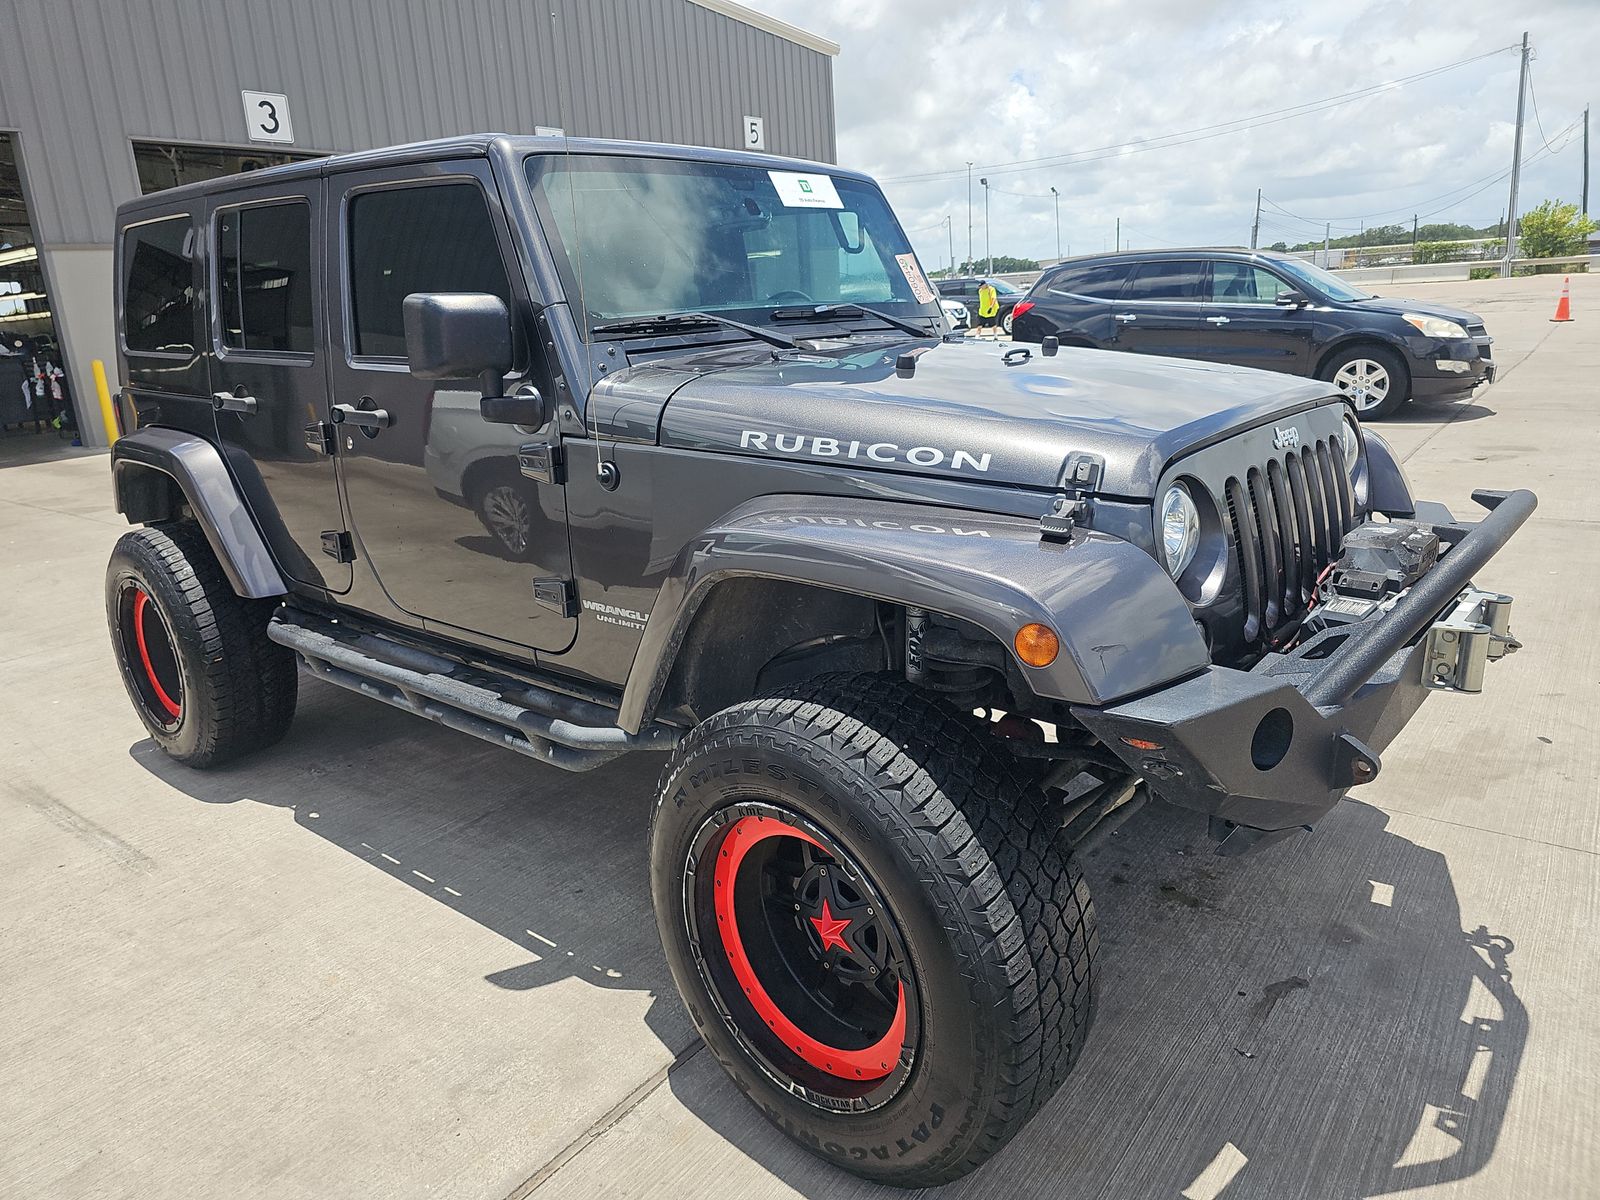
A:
(1123, 625)
(143, 461)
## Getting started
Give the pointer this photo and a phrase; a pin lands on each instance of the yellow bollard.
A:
(106, 412)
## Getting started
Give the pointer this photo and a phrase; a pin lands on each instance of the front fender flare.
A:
(1123, 625)
(196, 466)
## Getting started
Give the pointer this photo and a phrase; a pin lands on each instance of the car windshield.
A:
(642, 237)
(1003, 288)
(1326, 282)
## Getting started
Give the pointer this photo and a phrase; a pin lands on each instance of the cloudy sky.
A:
(923, 87)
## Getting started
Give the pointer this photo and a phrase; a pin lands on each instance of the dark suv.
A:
(588, 447)
(966, 288)
(1261, 309)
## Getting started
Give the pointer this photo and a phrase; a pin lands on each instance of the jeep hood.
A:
(962, 412)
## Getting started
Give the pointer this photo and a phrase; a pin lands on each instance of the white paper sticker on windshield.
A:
(914, 276)
(796, 190)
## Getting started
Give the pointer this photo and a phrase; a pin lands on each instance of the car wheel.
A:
(1005, 323)
(203, 676)
(874, 923)
(505, 509)
(1374, 378)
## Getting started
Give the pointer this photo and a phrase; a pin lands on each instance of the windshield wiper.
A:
(667, 322)
(824, 311)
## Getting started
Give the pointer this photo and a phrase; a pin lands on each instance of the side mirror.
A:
(525, 406)
(1292, 298)
(458, 335)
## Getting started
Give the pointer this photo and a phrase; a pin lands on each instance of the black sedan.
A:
(1261, 309)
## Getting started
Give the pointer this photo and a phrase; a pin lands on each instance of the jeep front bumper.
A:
(1275, 747)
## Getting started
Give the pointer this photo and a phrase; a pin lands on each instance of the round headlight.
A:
(1350, 440)
(1180, 529)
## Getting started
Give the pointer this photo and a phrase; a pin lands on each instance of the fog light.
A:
(1452, 364)
(1037, 645)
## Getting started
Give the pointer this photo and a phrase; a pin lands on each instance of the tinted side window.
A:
(417, 239)
(1166, 281)
(1103, 282)
(949, 289)
(158, 288)
(1240, 283)
(264, 270)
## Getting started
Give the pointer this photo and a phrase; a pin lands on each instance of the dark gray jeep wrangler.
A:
(590, 447)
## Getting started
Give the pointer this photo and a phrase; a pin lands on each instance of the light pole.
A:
(969, 214)
(988, 250)
(1057, 196)
(950, 231)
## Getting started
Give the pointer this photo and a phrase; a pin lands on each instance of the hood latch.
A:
(1080, 477)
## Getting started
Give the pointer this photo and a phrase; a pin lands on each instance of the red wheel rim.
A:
(808, 970)
(873, 1062)
(141, 600)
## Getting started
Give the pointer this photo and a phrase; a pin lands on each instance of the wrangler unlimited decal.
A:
(882, 452)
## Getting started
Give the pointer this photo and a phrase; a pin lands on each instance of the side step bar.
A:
(573, 734)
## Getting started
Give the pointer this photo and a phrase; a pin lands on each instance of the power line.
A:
(1534, 96)
(1451, 198)
(1200, 133)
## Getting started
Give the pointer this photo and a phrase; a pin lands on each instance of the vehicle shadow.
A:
(553, 863)
(1431, 412)
(1310, 1022)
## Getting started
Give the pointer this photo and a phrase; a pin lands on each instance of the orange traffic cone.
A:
(1564, 305)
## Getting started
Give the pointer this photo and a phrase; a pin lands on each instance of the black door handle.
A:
(234, 401)
(366, 418)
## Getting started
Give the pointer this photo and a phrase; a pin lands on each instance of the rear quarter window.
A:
(1099, 282)
(158, 293)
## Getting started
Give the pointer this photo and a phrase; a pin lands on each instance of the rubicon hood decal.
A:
(963, 414)
(878, 452)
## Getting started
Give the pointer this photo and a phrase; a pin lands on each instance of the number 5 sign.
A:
(266, 116)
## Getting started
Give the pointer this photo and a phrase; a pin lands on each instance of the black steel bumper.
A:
(1275, 747)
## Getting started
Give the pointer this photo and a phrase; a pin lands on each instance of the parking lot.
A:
(387, 959)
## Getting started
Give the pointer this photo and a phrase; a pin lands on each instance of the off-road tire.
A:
(237, 689)
(1399, 376)
(966, 853)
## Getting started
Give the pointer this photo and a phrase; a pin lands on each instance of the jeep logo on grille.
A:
(1285, 437)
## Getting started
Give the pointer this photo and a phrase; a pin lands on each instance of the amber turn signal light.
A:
(1037, 645)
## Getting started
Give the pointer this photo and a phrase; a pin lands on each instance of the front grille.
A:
(1286, 521)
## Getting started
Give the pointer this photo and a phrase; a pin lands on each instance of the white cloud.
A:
(928, 86)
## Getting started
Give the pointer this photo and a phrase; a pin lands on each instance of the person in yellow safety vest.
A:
(988, 308)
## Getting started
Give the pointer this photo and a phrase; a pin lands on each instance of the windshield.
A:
(1002, 288)
(641, 237)
(1326, 282)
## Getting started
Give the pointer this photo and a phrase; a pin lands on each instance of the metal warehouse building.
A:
(102, 100)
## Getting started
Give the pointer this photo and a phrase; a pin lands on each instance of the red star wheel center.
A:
(830, 929)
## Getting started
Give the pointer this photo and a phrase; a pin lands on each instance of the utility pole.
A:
(1057, 195)
(1255, 227)
(1361, 245)
(969, 213)
(1413, 237)
(950, 230)
(1327, 232)
(1584, 210)
(1119, 235)
(988, 249)
(1516, 165)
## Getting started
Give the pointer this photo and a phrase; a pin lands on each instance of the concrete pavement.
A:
(387, 959)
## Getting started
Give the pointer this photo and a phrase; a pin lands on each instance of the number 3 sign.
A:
(266, 116)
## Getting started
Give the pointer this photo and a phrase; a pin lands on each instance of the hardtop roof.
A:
(476, 145)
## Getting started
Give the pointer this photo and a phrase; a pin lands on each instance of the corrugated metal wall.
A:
(80, 78)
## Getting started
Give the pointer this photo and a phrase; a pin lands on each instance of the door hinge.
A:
(319, 438)
(558, 595)
(337, 545)
(1080, 476)
(544, 461)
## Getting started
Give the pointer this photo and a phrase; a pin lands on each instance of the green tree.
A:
(1004, 264)
(1278, 246)
(1553, 229)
